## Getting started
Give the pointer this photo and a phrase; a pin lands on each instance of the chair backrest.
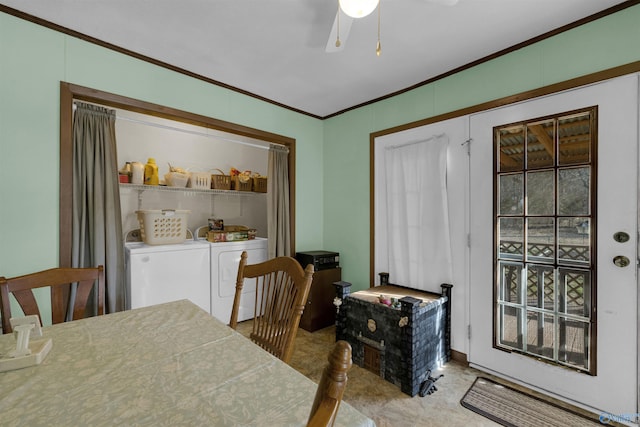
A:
(282, 287)
(21, 288)
(331, 387)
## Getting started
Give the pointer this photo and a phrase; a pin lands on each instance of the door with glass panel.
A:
(544, 220)
(553, 225)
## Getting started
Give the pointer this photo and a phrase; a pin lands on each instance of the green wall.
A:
(332, 155)
(33, 61)
(599, 45)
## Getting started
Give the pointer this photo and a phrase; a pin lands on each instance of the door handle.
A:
(621, 261)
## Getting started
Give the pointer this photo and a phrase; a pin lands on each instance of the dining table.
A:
(170, 364)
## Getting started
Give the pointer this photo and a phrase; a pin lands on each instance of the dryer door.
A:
(225, 286)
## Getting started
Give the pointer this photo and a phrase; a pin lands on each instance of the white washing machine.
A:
(162, 273)
(225, 259)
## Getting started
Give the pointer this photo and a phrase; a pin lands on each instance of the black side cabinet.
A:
(320, 311)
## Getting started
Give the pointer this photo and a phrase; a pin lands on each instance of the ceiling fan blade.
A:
(345, 27)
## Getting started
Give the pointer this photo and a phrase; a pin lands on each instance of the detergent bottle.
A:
(151, 172)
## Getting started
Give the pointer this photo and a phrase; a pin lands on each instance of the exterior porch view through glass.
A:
(544, 227)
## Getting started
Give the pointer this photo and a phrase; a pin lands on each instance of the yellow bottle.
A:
(151, 172)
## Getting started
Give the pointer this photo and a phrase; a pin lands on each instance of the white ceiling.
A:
(276, 48)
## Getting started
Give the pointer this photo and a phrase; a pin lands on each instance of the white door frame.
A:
(457, 186)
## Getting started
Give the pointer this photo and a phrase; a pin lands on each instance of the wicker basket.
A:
(221, 182)
(259, 185)
(238, 185)
(162, 227)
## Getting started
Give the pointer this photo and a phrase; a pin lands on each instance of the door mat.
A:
(514, 408)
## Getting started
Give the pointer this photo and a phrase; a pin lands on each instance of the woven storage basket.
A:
(238, 185)
(162, 227)
(200, 180)
(221, 182)
(259, 185)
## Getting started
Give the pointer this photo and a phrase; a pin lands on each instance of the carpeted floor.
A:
(384, 402)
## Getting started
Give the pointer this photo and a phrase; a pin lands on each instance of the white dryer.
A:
(225, 259)
(162, 273)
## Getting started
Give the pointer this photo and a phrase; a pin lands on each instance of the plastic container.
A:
(176, 179)
(137, 173)
(162, 227)
(200, 180)
(151, 172)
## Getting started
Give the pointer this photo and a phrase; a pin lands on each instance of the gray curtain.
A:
(278, 202)
(97, 223)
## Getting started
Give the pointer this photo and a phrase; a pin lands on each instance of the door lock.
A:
(621, 261)
(621, 237)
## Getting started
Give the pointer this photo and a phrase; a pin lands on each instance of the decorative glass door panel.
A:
(544, 221)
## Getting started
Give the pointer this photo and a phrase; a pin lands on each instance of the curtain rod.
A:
(192, 132)
(405, 144)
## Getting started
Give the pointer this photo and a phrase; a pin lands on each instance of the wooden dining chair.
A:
(21, 287)
(282, 287)
(331, 387)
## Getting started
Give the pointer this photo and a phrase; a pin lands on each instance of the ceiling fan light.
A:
(358, 8)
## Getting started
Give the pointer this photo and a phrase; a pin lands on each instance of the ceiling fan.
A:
(349, 11)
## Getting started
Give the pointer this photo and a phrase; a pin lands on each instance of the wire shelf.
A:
(143, 187)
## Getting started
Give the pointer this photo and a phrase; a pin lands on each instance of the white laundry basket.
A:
(162, 227)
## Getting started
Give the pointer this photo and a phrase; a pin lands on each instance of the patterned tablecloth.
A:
(166, 365)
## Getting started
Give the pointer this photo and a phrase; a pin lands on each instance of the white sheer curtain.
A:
(417, 214)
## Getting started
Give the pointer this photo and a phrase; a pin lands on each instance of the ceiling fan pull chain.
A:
(338, 32)
(378, 47)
